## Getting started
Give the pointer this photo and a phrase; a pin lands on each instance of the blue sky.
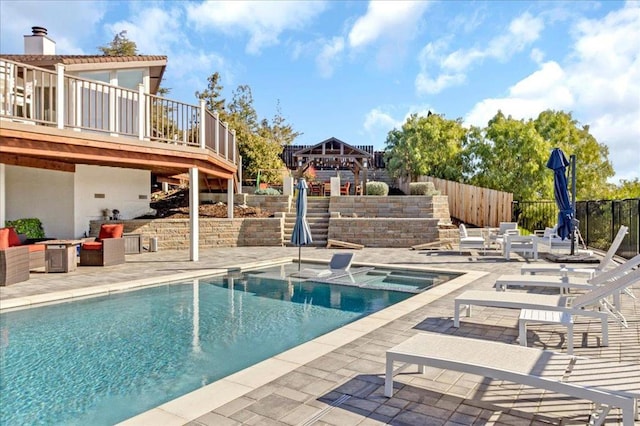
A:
(357, 69)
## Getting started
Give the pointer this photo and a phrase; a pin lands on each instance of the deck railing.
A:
(52, 98)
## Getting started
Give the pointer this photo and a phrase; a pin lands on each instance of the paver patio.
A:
(345, 385)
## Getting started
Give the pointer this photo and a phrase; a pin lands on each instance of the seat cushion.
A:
(4, 238)
(111, 230)
(14, 239)
(92, 245)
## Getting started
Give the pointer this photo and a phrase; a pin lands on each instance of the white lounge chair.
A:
(605, 263)
(564, 283)
(607, 383)
(578, 305)
(468, 242)
(339, 263)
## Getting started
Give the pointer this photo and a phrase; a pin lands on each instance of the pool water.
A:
(102, 360)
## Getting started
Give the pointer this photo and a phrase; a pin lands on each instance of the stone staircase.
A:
(317, 217)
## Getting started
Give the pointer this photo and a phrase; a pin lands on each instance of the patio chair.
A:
(604, 382)
(605, 263)
(595, 297)
(497, 236)
(467, 242)
(315, 189)
(36, 251)
(14, 261)
(551, 239)
(107, 249)
(326, 189)
(564, 283)
(344, 189)
(339, 264)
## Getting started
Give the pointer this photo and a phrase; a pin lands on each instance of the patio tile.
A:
(354, 366)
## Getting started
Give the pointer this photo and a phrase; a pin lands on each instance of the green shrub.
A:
(377, 188)
(267, 191)
(423, 188)
(32, 227)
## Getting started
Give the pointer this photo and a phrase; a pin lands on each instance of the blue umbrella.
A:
(558, 163)
(301, 232)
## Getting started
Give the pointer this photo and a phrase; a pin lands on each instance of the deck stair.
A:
(317, 217)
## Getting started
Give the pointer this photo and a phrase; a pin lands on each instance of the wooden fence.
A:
(474, 205)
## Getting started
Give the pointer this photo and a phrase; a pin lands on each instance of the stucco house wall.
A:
(99, 188)
(43, 194)
(66, 202)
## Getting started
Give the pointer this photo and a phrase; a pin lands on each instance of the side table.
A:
(61, 255)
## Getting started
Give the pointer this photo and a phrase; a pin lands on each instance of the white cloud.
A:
(439, 70)
(263, 21)
(329, 56)
(537, 55)
(387, 19)
(599, 84)
(377, 120)
(68, 30)
(155, 29)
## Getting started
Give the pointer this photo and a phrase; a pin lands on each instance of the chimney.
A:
(38, 43)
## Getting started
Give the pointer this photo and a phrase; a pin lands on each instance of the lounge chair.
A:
(468, 242)
(607, 383)
(107, 249)
(564, 283)
(578, 305)
(339, 264)
(605, 263)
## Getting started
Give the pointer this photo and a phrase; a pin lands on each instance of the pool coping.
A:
(199, 402)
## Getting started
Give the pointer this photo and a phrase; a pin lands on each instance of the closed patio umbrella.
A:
(301, 232)
(558, 163)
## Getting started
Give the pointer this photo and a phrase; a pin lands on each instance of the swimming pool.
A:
(103, 360)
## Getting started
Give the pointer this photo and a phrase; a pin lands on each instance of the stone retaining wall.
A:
(401, 221)
(384, 232)
(410, 206)
(173, 234)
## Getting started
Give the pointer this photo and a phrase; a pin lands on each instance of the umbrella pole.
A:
(572, 160)
(299, 256)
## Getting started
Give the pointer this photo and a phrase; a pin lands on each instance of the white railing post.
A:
(239, 164)
(203, 115)
(216, 132)
(194, 208)
(226, 140)
(233, 145)
(141, 112)
(60, 104)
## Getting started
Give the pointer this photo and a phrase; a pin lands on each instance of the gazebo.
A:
(333, 153)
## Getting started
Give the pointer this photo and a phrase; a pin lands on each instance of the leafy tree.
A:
(593, 167)
(212, 96)
(278, 129)
(626, 189)
(425, 145)
(120, 46)
(510, 156)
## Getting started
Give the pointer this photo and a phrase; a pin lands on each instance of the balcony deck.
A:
(55, 121)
